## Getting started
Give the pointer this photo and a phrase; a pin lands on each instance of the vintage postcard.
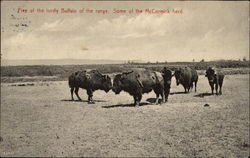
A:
(124, 79)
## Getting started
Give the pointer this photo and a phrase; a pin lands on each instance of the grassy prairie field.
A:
(40, 120)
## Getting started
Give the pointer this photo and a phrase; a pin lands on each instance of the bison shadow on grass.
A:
(172, 93)
(69, 100)
(125, 105)
(201, 95)
(150, 101)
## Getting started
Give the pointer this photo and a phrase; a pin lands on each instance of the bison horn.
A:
(173, 74)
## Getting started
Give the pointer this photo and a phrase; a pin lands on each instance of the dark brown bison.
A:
(138, 82)
(167, 77)
(215, 79)
(186, 76)
(91, 81)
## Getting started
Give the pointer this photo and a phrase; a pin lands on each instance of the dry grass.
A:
(39, 120)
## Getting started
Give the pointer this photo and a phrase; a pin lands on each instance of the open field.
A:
(40, 120)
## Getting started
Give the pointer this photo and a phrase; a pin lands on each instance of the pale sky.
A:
(204, 30)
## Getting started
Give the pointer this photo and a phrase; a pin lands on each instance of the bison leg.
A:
(137, 99)
(185, 89)
(71, 92)
(220, 89)
(90, 96)
(157, 98)
(76, 92)
(167, 91)
(195, 85)
(163, 97)
(220, 84)
(216, 88)
(191, 86)
(212, 87)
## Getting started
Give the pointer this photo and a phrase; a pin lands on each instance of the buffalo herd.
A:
(137, 82)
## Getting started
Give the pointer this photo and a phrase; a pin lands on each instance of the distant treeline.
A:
(63, 71)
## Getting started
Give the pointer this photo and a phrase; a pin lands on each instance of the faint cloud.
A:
(62, 25)
(51, 26)
(131, 27)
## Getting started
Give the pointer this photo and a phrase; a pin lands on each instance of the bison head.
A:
(117, 84)
(106, 83)
(177, 75)
(210, 74)
(167, 75)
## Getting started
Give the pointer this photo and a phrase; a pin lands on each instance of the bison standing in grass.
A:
(167, 77)
(215, 78)
(138, 82)
(186, 76)
(91, 81)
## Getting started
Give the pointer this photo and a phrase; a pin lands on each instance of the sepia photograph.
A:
(124, 79)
